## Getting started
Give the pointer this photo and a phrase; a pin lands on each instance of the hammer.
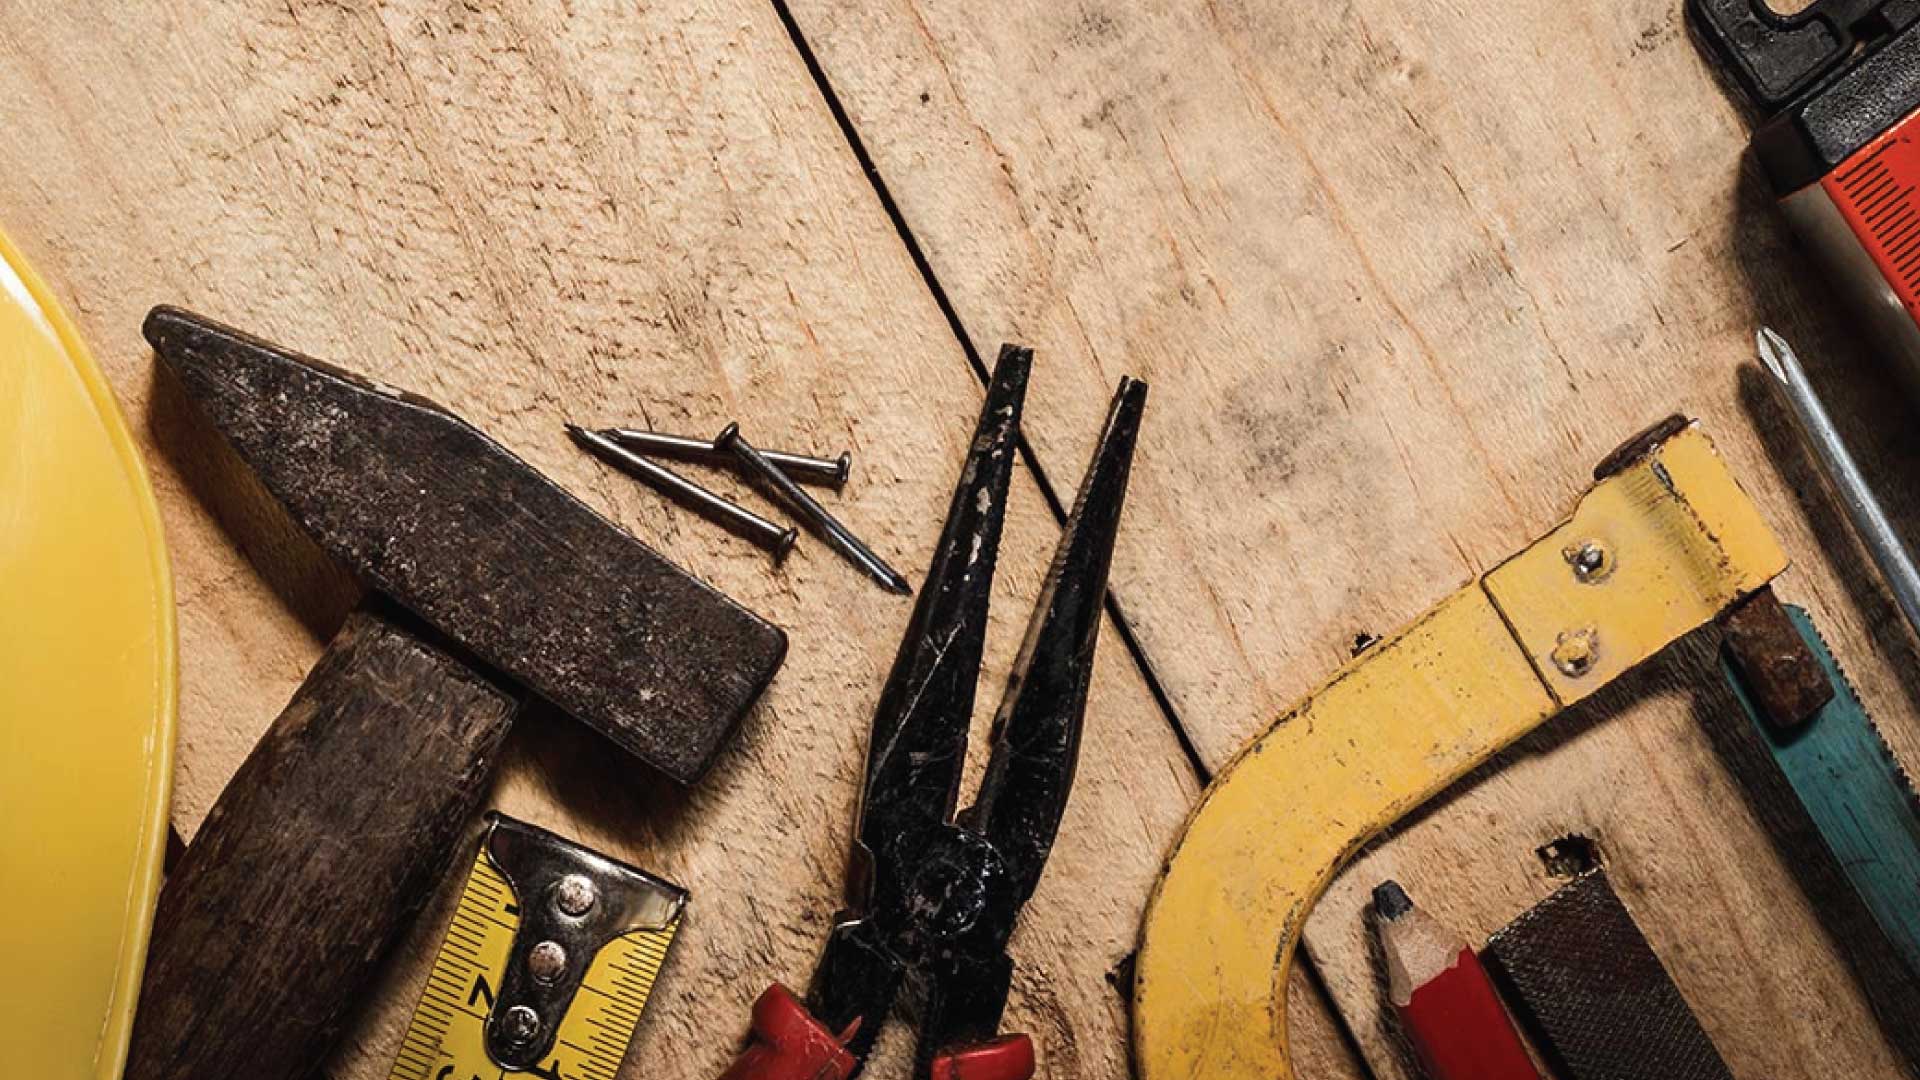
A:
(487, 584)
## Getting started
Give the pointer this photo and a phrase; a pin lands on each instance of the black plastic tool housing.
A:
(1827, 80)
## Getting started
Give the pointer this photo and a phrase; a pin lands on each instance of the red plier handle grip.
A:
(789, 1044)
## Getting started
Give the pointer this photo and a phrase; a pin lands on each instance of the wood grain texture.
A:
(537, 211)
(1401, 276)
(316, 858)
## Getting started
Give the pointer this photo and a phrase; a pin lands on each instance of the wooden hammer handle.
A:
(316, 857)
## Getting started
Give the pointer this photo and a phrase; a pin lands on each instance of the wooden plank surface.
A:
(1399, 278)
(1402, 275)
(540, 211)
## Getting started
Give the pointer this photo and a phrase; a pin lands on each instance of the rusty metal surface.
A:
(1639, 446)
(1592, 989)
(427, 510)
(1783, 676)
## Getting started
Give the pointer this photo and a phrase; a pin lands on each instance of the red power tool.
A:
(1839, 84)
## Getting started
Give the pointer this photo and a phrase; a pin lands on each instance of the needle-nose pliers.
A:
(932, 897)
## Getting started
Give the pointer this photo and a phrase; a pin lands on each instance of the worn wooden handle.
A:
(317, 855)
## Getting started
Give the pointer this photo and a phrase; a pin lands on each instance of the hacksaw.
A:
(1662, 544)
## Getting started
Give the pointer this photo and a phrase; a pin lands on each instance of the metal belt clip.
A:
(540, 919)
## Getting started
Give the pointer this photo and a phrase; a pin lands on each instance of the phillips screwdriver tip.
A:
(1776, 354)
(1877, 532)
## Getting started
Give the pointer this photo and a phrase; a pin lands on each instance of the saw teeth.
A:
(1805, 622)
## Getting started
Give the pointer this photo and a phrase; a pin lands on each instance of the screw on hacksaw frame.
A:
(803, 505)
(739, 519)
(805, 468)
(1591, 561)
(1576, 650)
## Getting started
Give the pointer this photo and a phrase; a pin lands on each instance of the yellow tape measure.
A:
(547, 966)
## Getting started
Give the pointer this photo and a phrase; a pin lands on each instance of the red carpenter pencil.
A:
(1447, 1006)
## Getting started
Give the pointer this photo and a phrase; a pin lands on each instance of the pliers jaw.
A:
(1036, 733)
(919, 741)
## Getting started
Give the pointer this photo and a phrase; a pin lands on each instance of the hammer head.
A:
(438, 517)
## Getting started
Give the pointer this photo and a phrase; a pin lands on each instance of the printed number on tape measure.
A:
(546, 967)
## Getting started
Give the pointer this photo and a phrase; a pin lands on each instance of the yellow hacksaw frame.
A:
(1662, 544)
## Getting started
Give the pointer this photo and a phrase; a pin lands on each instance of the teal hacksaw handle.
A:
(1858, 797)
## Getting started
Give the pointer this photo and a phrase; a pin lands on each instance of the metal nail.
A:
(739, 519)
(832, 472)
(812, 513)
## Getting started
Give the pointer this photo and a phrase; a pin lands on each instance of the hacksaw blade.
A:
(1855, 792)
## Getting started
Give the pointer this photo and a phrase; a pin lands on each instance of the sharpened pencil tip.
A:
(1390, 901)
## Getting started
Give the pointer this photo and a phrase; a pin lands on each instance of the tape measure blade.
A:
(613, 998)
(448, 1025)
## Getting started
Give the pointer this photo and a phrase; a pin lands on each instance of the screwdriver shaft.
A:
(1869, 519)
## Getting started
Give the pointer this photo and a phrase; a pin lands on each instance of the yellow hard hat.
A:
(87, 697)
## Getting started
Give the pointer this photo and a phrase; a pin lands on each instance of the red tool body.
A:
(789, 1044)
(1839, 86)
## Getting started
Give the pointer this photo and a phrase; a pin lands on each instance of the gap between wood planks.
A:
(1115, 613)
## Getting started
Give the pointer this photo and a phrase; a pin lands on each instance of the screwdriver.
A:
(1870, 521)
